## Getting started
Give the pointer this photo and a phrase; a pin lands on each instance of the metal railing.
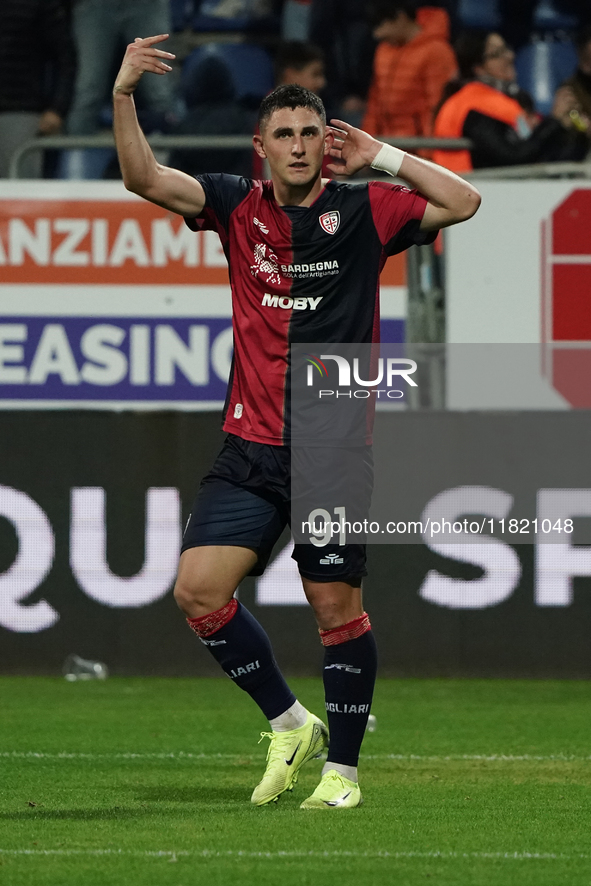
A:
(582, 169)
(169, 142)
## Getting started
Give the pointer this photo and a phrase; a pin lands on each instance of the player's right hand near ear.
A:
(140, 57)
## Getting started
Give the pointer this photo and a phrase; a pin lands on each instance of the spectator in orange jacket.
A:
(412, 64)
(488, 107)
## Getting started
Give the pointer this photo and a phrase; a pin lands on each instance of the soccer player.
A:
(272, 233)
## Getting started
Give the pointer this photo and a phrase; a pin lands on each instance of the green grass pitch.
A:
(147, 782)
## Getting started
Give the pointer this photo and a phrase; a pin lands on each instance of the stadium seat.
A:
(548, 18)
(180, 13)
(295, 21)
(479, 14)
(235, 15)
(542, 66)
(250, 66)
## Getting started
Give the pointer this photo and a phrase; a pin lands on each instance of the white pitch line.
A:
(488, 758)
(181, 756)
(295, 853)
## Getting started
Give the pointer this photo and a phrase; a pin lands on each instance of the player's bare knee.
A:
(334, 604)
(328, 617)
(327, 610)
(183, 596)
(192, 596)
(197, 598)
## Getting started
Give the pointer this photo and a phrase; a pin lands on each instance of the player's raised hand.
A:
(352, 148)
(140, 57)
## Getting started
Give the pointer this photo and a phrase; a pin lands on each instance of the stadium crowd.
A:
(393, 67)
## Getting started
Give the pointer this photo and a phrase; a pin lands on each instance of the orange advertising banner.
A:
(104, 242)
(117, 242)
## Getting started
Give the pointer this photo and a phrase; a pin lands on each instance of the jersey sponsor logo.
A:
(285, 302)
(266, 264)
(212, 642)
(312, 269)
(336, 708)
(238, 410)
(330, 221)
(331, 560)
(343, 667)
(260, 225)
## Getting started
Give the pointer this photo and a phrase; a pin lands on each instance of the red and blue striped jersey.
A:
(300, 274)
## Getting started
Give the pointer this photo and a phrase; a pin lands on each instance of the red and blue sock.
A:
(350, 667)
(242, 648)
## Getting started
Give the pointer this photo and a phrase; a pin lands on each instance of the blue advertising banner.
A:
(110, 302)
(147, 359)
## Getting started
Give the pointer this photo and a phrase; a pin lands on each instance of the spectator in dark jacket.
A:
(342, 30)
(487, 107)
(300, 63)
(99, 27)
(213, 110)
(37, 68)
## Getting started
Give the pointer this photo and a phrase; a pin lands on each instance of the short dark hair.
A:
(290, 97)
(387, 10)
(470, 48)
(296, 54)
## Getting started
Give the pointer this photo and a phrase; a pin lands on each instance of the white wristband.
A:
(389, 159)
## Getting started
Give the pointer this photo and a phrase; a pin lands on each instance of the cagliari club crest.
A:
(330, 221)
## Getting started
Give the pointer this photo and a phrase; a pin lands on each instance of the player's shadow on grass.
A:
(198, 794)
(38, 814)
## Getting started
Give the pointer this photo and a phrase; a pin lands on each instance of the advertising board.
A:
(92, 506)
(519, 274)
(107, 301)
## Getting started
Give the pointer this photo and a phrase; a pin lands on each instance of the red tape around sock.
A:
(350, 631)
(209, 624)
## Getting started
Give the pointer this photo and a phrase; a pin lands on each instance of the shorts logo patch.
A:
(331, 560)
(330, 221)
(238, 410)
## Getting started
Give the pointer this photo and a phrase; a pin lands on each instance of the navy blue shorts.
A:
(245, 500)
